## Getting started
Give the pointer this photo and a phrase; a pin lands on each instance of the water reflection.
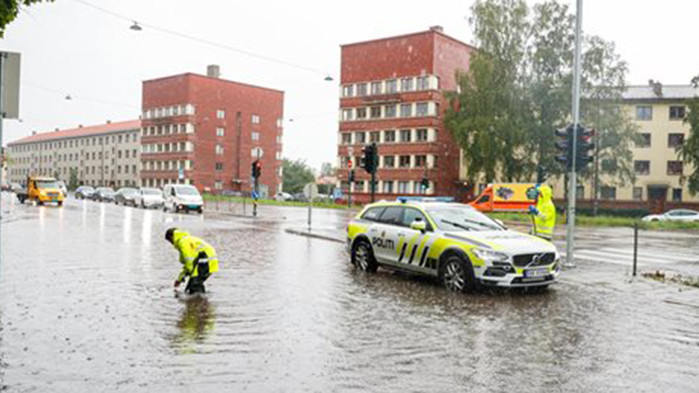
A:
(196, 322)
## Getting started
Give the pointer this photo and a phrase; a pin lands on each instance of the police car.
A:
(453, 242)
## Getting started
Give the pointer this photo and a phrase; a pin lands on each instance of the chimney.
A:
(80, 126)
(213, 71)
(109, 122)
(33, 132)
(56, 129)
(437, 28)
(657, 87)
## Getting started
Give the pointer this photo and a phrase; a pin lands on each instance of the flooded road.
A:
(87, 305)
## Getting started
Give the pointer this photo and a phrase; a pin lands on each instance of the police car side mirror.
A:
(419, 225)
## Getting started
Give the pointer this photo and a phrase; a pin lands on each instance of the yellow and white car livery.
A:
(454, 242)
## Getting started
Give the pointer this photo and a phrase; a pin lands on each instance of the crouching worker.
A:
(198, 259)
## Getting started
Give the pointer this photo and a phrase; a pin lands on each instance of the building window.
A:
(421, 161)
(255, 136)
(219, 131)
(674, 168)
(421, 109)
(389, 161)
(607, 192)
(375, 112)
(375, 136)
(218, 185)
(361, 113)
(346, 138)
(219, 166)
(644, 112)
(376, 88)
(348, 90)
(347, 114)
(675, 140)
(388, 187)
(220, 114)
(404, 161)
(406, 84)
(642, 167)
(391, 86)
(406, 110)
(390, 111)
(677, 113)
(422, 83)
(255, 119)
(405, 135)
(637, 193)
(360, 137)
(389, 136)
(361, 89)
(643, 140)
(359, 186)
(677, 195)
(219, 150)
(403, 187)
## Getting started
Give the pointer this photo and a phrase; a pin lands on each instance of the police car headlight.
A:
(490, 255)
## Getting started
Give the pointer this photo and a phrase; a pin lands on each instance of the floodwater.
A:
(87, 304)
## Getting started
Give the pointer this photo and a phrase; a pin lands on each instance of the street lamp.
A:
(328, 78)
(135, 27)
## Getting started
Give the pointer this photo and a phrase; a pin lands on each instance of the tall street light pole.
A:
(572, 189)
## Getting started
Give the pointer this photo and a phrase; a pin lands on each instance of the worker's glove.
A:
(533, 210)
(177, 283)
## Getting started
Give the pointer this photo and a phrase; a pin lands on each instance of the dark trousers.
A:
(196, 284)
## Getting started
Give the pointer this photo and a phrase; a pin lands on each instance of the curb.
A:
(313, 235)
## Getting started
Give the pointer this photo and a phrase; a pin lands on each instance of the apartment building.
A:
(392, 93)
(100, 155)
(207, 131)
(659, 112)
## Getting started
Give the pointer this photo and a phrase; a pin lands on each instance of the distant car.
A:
(15, 187)
(126, 196)
(182, 197)
(6, 187)
(230, 193)
(149, 197)
(283, 197)
(84, 192)
(674, 215)
(103, 194)
(62, 186)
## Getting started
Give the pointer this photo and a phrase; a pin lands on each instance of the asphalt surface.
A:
(87, 304)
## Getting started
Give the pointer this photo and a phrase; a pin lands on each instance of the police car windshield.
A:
(183, 190)
(457, 218)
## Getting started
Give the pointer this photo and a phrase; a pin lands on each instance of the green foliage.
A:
(296, 174)
(689, 150)
(327, 169)
(9, 10)
(517, 91)
(73, 179)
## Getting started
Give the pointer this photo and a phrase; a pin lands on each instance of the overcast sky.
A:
(70, 48)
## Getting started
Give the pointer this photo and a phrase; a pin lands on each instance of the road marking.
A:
(625, 257)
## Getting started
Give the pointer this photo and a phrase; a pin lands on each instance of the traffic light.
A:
(564, 145)
(584, 146)
(425, 183)
(371, 159)
(256, 169)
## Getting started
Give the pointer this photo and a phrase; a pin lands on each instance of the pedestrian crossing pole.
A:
(572, 189)
(3, 55)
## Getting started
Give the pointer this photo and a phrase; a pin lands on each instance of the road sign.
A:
(10, 84)
(310, 190)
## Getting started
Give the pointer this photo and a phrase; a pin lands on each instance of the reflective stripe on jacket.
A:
(545, 220)
(189, 248)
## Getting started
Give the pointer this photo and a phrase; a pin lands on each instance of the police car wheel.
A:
(457, 275)
(363, 257)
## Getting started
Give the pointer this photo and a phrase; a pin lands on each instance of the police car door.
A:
(413, 245)
(384, 234)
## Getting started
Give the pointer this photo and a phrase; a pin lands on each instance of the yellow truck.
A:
(41, 190)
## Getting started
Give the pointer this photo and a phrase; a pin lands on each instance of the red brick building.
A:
(392, 93)
(206, 131)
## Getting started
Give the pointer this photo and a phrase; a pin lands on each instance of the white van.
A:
(182, 197)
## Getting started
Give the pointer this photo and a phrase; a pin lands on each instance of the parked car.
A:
(283, 197)
(182, 197)
(674, 215)
(16, 187)
(84, 192)
(126, 196)
(6, 187)
(103, 194)
(230, 193)
(62, 187)
(149, 197)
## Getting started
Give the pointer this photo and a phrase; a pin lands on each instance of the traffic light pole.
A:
(572, 189)
(373, 185)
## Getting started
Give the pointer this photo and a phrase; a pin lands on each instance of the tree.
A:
(73, 179)
(9, 10)
(296, 174)
(688, 152)
(327, 169)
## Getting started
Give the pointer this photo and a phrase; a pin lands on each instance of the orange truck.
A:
(41, 190)
(514, 197)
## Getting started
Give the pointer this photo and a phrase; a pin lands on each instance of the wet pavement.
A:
(87, 304)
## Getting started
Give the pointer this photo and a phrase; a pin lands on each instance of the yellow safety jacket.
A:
(545, 219)
(189, 248)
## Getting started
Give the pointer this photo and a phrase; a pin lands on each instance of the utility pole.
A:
(3, 56)
(572, 189)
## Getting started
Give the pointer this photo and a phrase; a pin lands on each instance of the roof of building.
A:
(433, 30)
(666, 92)
(80, 132)
(215, 79)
